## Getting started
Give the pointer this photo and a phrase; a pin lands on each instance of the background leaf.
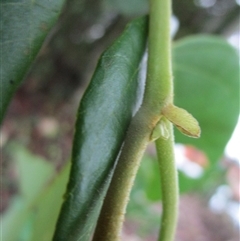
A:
(103, 117)
(27, 162)
(25, 25)
(34, 173)
(206, 74)
(36, 220)
(48, 205)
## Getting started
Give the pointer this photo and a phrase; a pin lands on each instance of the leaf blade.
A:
(206, 85)
(25, 25)
(103, 117)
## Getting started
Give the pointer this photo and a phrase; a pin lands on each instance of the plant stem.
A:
(110, 222)
(160, 52)
(169, 185)
(158, 93)
(159, 86)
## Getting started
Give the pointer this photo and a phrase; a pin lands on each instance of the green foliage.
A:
(47, 207)
(103, 117)
(33, 213)
(206, 74)
(24, 26)
(206, 85)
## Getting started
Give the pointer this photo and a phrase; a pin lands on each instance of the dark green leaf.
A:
(103, 118)
(128, 7)
(24, 26)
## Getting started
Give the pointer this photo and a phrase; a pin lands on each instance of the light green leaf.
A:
(13, 220)
(31, 167)
(36, 221)
(24, 26)
(47, 207)
(33, 173)
(206, 74)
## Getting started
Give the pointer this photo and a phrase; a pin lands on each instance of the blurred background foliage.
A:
(36, 136)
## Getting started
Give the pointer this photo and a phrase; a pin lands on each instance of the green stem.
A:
(158, 93)
(159, 87)
(110, 222)
(169, 185)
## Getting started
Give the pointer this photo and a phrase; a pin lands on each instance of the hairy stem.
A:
(112, 214)
(158, 93)
(159, 87)
(169, 185)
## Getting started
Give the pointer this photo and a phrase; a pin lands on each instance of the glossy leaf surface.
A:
(24, 26)
(103, 118)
